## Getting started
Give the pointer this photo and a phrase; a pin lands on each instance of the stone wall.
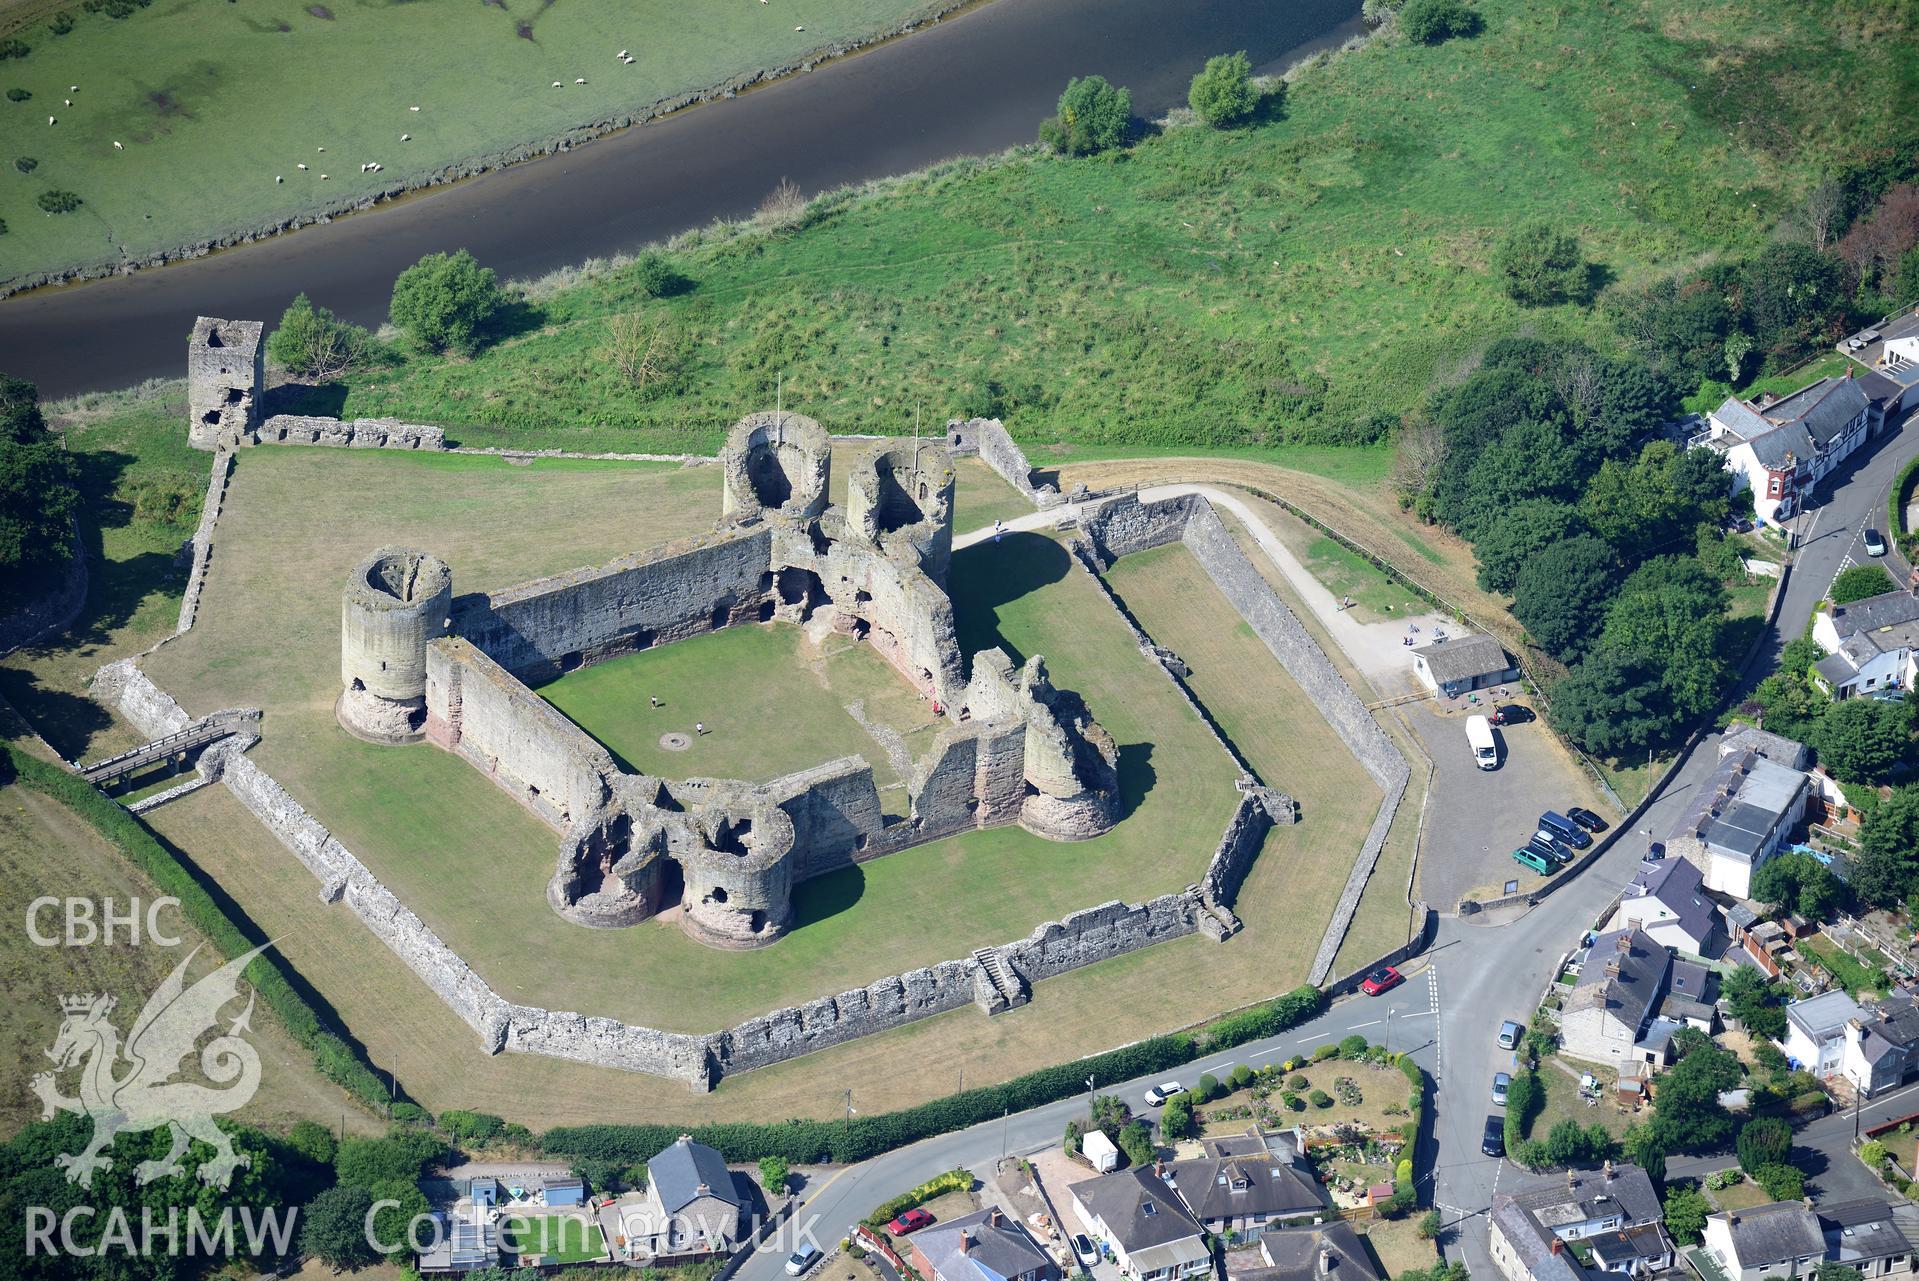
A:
(540, 629)
(359, 433)
(836, 813)
(987, 440)
(129, 691)
(202, 543)
(1124, 525)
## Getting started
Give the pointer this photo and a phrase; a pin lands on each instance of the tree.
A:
(1888, 868)
(1437, 21)
(446, 301)
(393, 1224)
(1829, 1271)
(1781, 1182)
(1136, 1143)
(312, 343)
(1538, 264)
(1520, 532)
(37, 496)
(1657, 502)
(1686, 1211)
(1799, 654)
(1798, 882)
(1614, 704)
(1556, 596)
(1110, 1113)
(333, 1227)
(1764, 1141)
(1429, 1225)
(312, 1141)
(1859, 582)
(774, 1173)
(1176, 1118)
(1207, 1090)
(21, 421)
(1687, 1114)
(1223, 93)
(57, 201)
(1093, 116)
(1861, 740)
(1756, 1001)
(1641, 1146)
(1242, 1076)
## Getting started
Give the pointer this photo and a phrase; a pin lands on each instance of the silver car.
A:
(1502, 1081)
(1509, 1034)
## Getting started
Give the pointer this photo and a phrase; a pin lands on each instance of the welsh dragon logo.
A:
(145, 1095)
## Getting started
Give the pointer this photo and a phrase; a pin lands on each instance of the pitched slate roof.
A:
(1675, 884)
(1629, 995)
(1293, 1254)
(995, 1247)
(1774, 747)
(1769, 1234)
(1530, 1218)
(1861, 1231)
(1234, 1187)
(1137, 1207)
(1801, 425)
(1750, 792)
(1461, 658)
(679, 1173)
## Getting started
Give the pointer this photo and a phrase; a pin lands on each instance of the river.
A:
(972, 84)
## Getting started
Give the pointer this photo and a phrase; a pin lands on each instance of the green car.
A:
(1532, 859)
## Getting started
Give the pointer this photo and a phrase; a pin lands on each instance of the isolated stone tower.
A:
(396, 601)
(225, 375)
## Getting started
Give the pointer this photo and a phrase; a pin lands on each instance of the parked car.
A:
(1084, 1250)
(1545, 843)
(1494, 1141)
(802, 1259)
(1875, 545)
(1587, 819)
(1510, 714)
(1165, 1090)
(1531, 858)
(1502, 1081)
(1565, 829)
(911, 1221)
(1383, 979)
(1509, 1034)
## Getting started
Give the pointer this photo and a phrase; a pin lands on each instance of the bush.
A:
(654, 275)
(1352, 1047)
(25, 164)
(1292, 1101)
(471, 1127)
(1093, 117)
(1538, 264)
(1321, 1099)
(314, 344)
(1137, 1143)
(1437, 21)
(1208, 1089)
(1859, 582)
(1324, 1052)
(18, 95)
(955, 1180)
(11, 48)
(1781, 1182)
(57, 201)
(1242, 1076)
(1298, 1083)
(1429, 1224)
(446, 301)
(1222, 93)
(62, 23)
(774, 1174)
(1873, 1153)
(1176, 1120)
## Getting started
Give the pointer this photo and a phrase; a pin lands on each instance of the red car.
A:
(1383, 979)
(911, 1221)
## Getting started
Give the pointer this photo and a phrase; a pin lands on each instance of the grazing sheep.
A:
(279, 178)
(68, 101)
(118, 147)
(558, 85)
(799, 28)
(580, 81)
(302, 168)
(406, 137)
(322, 177)
(412, 108)
(49, 119)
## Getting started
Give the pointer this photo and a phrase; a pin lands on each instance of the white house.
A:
(1874, 1049)
(1455, 665)
(1780, 447)
(1889, 353)
(1871, 645)
(1142, 1221)
(1767, 1242)
(1615, 1211)
(1667, 899)
(1741, 813)
(1629, 999)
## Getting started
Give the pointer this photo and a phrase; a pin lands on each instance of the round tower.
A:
(396, 601)
(737, 859)
(901, 496)
(776, 465)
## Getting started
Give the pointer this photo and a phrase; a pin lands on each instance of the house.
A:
(1456, 665)
(1871, 645)
(690, 1205)
(1872, 1236)
(1767, 1242)
(987, 1246)
(1739, 816)
(1284, 1146)
(1874, 1049)
(1245, 1193)
(1781, 447)
(1667, 899)
(1627, 1001)
(1315, 1252)
(1889, 353)
(1613, 1211)
(1141, 1219)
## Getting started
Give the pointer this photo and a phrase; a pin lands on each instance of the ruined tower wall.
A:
(911, 616)
(226, 372)
(512, 735)
(1124, 525)
(542, 628)
(978, 761)
(836, 813)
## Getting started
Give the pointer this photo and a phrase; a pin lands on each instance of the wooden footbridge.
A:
(174, 750)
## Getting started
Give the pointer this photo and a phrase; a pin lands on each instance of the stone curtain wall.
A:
(1124, 525)
(987, 438)
(541, 628)
(360, 433)
(210, 506)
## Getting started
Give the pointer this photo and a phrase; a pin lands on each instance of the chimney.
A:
(1159, 1167)
(1609, 1169)
(995, 1218)
(966, 1241)
(1623, 942)
(1558, 1245)
(1572, 1180)
(1612, 968)
(703, 1190)
(1325, 1261)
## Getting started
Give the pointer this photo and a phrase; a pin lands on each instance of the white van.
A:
(1479, 732)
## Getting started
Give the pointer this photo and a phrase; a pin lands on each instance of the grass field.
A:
(34, 827)
(556, 1238)
(1376, 595)
(771, 701)
(208, 97)
(1277, 285)
(1847, 970)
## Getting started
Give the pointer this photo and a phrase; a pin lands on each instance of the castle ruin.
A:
(418, 663)
(226, 372)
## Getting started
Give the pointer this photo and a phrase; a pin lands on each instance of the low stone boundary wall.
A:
(358, 433)
(221, 473)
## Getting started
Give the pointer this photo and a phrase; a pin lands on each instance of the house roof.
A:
(1296, 1254)
(685, 1171)
(1775, 1233)
(1281, 1145)
(1676, 885)
(1876, 625)
(1138, 1209)
(1736, 808)
(1645, 1242)
(1822, 408)
(1774, 747)
(1820, 1016)
(1531, 1217)
(1461, 658)
(1860, 1231)
(995, 1247)
(1873, 353)
(1630, 994)
(1879, 389)
(1233, 1187)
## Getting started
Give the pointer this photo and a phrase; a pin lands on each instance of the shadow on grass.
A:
(67, 721)
(991, 575)
(824, 897)
(1136, 776)
(324, 400)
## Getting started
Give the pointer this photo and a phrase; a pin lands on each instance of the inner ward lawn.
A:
(463, 855)
(1302, 280)
(207, 96)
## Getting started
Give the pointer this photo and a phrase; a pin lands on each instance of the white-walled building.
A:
(1767, 1242)
(1780, 447)
(1667, 899)
(1871, 645)
(1741, 813)
(1874, 1049)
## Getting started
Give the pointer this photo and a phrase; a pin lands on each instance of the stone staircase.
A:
(996, 988)
(1215, 920)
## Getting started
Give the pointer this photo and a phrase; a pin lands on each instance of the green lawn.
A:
(1299, 282)
(556, 1238)
(1846, 970)
(208, 97)
(772, 703)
